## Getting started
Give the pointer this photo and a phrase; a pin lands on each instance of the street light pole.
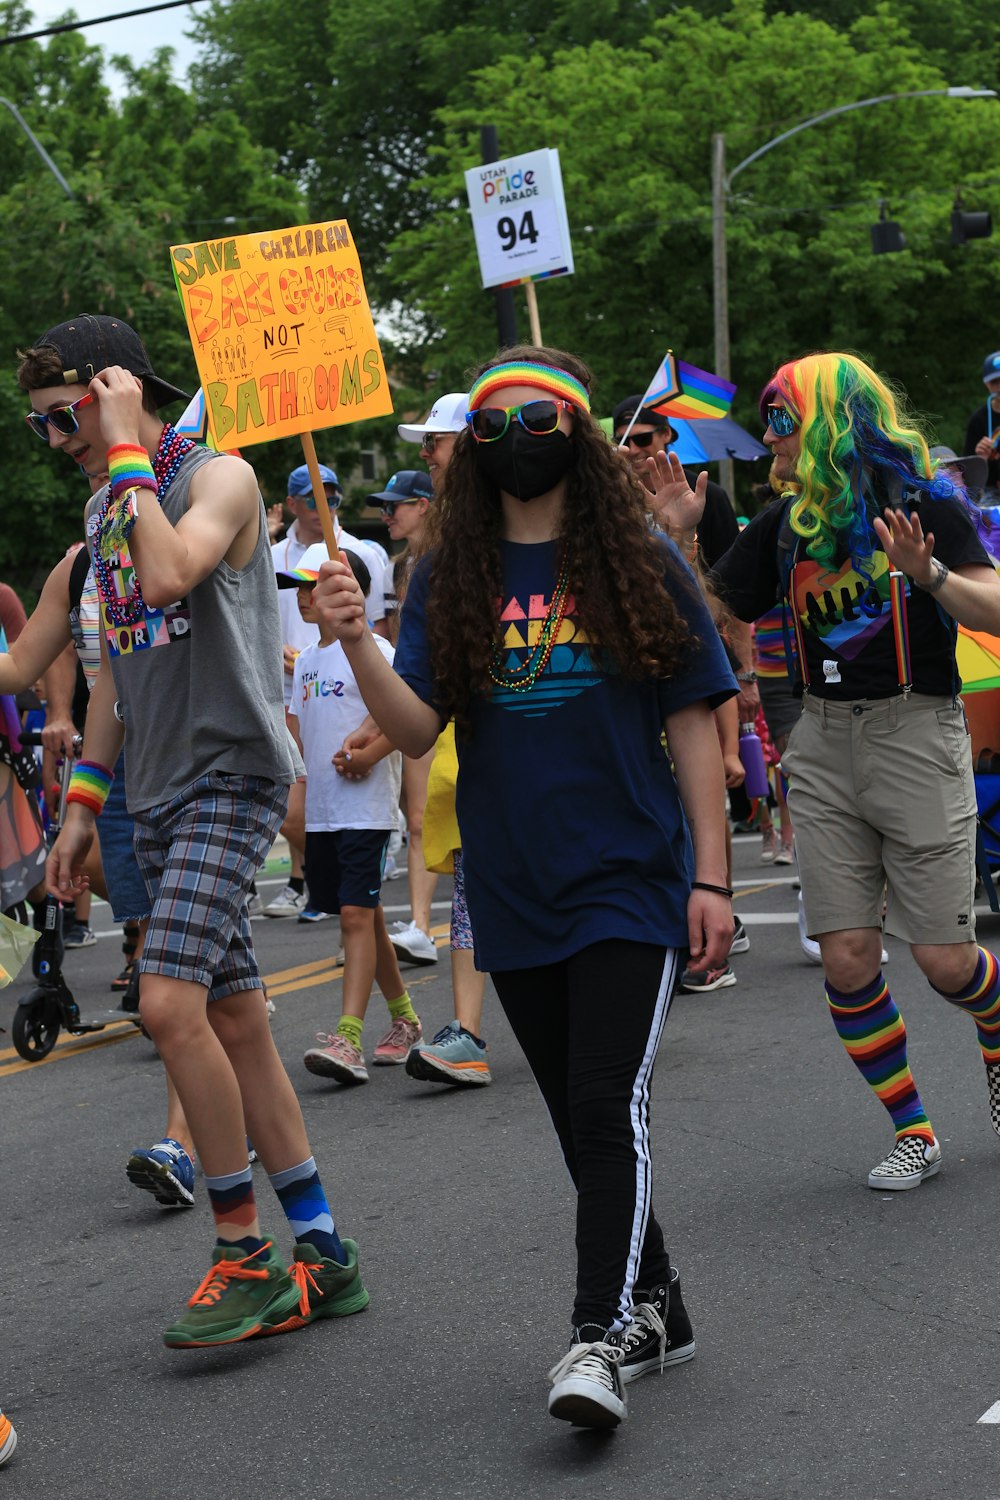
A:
(720, 282)
(32, 137)
(722, 183)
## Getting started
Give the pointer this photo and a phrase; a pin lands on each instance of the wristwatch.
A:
(939, 572)
(746, 676)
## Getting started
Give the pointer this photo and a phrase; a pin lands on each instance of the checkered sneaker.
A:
(908, 1163)
(993, 1083)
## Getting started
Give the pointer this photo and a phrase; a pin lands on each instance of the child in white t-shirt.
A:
(348, 825)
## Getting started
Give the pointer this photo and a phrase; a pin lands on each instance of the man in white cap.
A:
(305, 531)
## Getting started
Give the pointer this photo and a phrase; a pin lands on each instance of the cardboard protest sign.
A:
(282, 332)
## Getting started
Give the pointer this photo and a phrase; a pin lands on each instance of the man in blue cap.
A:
(983, 432)
(304, 531)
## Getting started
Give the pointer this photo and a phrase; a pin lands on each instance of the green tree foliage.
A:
(373, 111)
(159, 167)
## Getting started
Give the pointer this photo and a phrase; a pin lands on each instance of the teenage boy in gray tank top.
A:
(191, 667)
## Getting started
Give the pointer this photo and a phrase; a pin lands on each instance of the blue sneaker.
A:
(455, 1056)
(166, 1171)
(310, 914)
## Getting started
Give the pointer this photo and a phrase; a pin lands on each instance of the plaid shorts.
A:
(198, 854)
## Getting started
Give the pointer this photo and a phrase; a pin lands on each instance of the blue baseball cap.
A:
(408, 484)
(299, 482)
(991, 367)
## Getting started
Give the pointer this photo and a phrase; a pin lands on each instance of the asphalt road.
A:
(848, 1346)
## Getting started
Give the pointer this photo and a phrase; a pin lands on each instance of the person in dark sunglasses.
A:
(190, 682)
(564, 636)
(873, 555)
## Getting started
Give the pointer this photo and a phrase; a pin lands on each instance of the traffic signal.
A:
(887, 236)
(969, 226)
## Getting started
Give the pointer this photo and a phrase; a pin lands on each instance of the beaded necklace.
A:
(523, 678)
(171, 452)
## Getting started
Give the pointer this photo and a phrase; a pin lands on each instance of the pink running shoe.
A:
(395, 1045)
(338, 1058)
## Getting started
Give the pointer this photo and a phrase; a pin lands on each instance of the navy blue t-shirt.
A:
(572, 829)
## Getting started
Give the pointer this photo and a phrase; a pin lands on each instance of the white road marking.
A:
(992, 1413)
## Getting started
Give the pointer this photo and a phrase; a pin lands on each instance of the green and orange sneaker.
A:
(240, 1297)
(326, 1289)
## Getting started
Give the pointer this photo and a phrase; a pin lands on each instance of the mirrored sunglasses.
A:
(62, 418)
(489, 423)
(430, 440)
(780, 421)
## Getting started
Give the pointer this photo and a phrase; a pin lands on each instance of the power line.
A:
(121, 15)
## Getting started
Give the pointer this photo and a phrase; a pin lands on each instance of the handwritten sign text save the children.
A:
(282, 332)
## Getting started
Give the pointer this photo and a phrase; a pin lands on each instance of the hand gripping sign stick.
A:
(326, 518)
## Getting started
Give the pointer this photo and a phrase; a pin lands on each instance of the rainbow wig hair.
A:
(849, 420)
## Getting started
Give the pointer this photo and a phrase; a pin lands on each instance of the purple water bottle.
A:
(752, 756)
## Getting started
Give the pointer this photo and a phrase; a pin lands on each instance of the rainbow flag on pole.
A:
(681, 390)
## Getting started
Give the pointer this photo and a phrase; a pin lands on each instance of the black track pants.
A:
(590, 1027)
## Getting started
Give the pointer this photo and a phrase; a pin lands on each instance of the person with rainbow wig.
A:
(563, 637)
(874, 555)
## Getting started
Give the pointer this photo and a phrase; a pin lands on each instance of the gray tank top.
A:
(200, 682)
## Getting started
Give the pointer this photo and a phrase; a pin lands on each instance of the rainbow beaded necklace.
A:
(523, 678)
(171, 452)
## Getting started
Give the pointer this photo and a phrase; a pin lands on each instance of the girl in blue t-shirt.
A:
(564, 639)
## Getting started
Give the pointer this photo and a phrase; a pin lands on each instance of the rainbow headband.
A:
(522, 372)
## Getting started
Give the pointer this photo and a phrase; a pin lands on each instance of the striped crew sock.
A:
(235, 1210)
(304, 1201)
(872, 1030)
(981, 999)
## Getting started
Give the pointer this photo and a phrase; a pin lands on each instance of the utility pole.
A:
(720, 281)
(506, 314)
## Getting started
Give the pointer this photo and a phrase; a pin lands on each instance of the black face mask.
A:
(523, 465)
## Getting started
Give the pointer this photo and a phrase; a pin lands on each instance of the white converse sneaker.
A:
(411, 944)
(908, 1163)
(587, 1387)
(287, 903)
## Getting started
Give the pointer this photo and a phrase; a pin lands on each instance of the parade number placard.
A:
(519, 217)
(282, 332)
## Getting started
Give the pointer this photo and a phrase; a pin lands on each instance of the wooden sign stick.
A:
(326, 517)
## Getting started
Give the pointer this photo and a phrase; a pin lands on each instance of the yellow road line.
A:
(282, 982)
(311, 968)
(70, 1048)
(323, 977)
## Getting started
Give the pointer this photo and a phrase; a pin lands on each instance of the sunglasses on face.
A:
(62, 418)
(430, 440)
(333, 501)
(780, 421)
(489, 423)
(389, 507)
(638, 439)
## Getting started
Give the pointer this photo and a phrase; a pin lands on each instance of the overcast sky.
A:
(137, 38)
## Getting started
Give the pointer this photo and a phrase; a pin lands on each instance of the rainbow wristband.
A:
(90, 784)
(130, 468)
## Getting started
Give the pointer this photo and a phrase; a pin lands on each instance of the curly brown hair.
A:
(617, 570)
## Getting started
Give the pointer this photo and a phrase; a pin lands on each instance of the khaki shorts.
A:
(881, 791)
